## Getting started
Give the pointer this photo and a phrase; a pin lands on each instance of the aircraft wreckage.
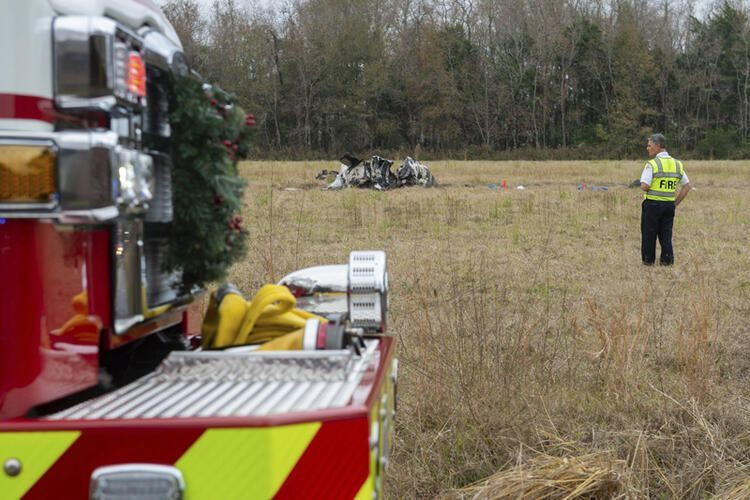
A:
(376, 173)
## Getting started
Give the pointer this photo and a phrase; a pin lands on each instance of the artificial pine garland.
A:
(209, 135)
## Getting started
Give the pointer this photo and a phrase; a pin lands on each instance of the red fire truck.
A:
(102, 392)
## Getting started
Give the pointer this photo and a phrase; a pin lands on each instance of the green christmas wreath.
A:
(210, 134)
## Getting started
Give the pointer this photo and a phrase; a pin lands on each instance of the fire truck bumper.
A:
(217, 426)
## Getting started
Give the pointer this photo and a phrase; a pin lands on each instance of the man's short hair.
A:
(659, 140)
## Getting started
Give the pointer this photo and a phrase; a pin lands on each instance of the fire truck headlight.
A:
(27, 173)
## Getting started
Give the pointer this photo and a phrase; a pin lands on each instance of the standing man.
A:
(659, 180)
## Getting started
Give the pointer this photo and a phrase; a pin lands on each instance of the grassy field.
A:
(533, 343)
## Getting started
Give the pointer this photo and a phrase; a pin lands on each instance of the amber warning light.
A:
(27, 173)
(136, 74)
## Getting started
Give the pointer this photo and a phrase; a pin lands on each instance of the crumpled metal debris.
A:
(376, 174)
(413, 173)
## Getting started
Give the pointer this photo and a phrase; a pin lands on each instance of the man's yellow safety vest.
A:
(667, 173)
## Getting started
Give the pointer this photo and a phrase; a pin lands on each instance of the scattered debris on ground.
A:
(583, 187)
(376, 174)
(521, 187)
(504, 185)
(326, 175)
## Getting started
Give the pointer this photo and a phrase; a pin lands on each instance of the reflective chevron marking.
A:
(36, 451)
(243, 462)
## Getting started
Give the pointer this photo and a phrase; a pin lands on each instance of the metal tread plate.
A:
(234, 384)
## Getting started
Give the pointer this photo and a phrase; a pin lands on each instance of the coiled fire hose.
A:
(270, 319)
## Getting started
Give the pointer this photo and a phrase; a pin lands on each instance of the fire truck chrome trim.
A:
(64, 217)
(162, 52)
(87, 171)
(92, 63)
(74, 40)
(136, 481)
(160, 207)
(128, 300)
(18, 208)
(93, 215)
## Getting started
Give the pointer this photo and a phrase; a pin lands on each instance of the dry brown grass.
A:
(594, 475)
(525, 319)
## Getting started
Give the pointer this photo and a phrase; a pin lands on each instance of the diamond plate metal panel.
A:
(232, 384)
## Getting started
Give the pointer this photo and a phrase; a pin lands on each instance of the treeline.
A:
(479, 78)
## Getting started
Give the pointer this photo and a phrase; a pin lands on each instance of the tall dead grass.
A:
(595, 475)
(525, 321)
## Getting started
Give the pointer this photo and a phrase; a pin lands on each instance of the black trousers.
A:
(657, 218)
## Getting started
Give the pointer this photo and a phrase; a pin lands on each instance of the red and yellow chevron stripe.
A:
(321, 459)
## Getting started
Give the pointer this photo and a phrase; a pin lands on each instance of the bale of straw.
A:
(591, 476)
